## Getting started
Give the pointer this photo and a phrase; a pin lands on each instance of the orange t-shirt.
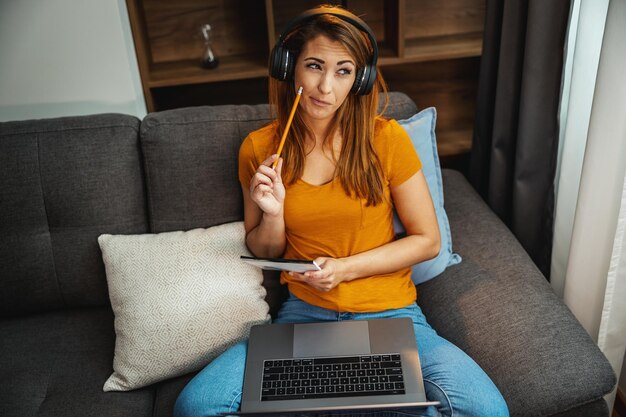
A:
(324, 221)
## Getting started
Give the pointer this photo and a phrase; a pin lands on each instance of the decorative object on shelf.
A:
(209, 60)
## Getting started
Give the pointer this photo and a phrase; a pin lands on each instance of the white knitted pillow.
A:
(179, 299)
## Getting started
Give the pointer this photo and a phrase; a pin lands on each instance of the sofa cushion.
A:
(63, 182)
(421, 130)
(499, 308)
(54, 364)
(190, 160)
(179, 299)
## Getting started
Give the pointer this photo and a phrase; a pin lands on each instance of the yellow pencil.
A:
(282, 140)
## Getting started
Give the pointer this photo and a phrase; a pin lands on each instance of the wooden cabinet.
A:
(429, 49)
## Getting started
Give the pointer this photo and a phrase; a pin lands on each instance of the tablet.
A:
(280, 264)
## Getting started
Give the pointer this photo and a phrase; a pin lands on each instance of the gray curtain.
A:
(515, 142)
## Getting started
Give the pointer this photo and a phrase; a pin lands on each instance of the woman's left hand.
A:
(327, 278)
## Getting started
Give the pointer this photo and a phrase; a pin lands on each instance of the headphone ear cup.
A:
(290, 65)
(370, 79)
(364, 80)
(275, 58)
(358, 82)
(281, 63)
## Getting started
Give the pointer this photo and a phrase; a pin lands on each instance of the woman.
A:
(330, 198)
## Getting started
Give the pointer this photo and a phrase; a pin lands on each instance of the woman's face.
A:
(326, 71)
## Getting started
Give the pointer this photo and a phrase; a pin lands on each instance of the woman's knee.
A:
(491, 404)
(195, 401)
(458, 382)
(498, 407)
(188, 403)
(478, 399)
(215, 389)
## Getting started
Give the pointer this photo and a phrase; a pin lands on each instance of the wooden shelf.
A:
(429, 49)
(169, 47)
(444, 47)
(436, 49)
(454, 142)
(191, 72)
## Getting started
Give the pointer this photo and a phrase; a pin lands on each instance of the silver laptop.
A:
(313, 367)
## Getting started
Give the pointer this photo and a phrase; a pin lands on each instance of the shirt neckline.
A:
(300, 180)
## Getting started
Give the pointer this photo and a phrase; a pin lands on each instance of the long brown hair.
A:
(358, 167)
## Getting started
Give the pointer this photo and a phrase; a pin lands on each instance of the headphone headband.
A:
(282, 61)
(337, 12)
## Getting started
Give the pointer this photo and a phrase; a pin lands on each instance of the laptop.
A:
(344, 365)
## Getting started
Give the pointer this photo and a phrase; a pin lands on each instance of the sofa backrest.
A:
(63, 182)
(190, 159)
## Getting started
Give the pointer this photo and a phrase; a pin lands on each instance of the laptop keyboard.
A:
(348, 376)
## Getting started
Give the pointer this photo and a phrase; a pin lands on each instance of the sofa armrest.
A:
(498, 307)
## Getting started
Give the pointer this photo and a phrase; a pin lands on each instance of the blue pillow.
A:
(421, 130)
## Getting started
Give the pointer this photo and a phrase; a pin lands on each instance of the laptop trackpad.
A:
(331, 339)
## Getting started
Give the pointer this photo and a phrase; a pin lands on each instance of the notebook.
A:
(344, 365)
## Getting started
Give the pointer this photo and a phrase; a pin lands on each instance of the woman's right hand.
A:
(266, 187)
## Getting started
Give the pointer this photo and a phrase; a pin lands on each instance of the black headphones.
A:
(282, 61)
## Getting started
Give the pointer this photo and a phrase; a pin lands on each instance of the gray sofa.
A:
(65, 181)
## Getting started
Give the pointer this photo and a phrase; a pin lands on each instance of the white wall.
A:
(67, 57)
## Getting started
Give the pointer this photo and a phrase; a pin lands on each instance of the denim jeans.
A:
(450, 376)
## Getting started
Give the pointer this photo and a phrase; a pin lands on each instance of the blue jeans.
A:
(450, 376)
